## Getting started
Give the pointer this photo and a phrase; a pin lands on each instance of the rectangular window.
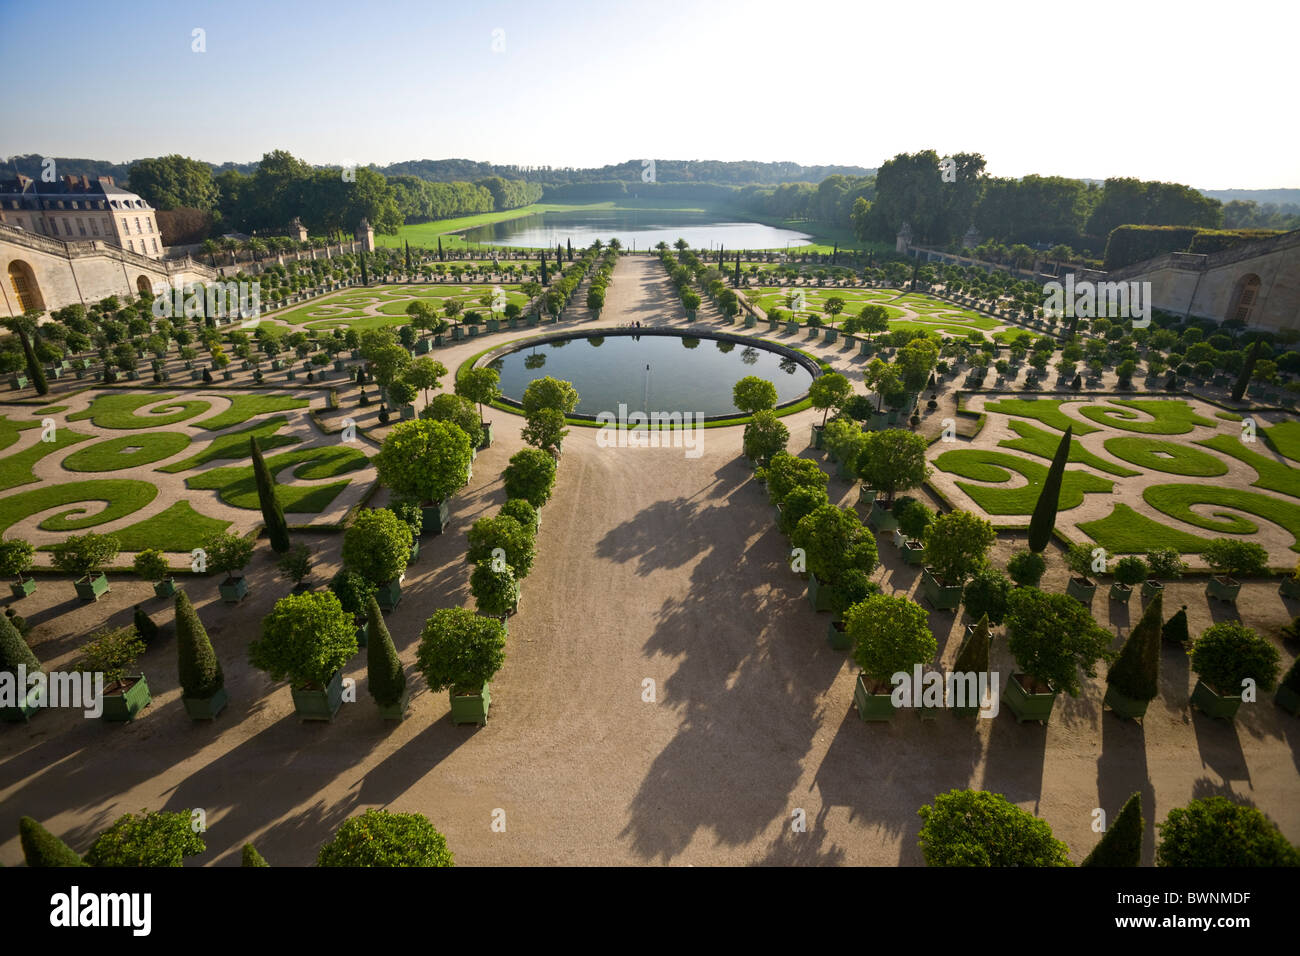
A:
(149, 223)
(130, 245)
(155, 244)
(138, 230)
(20, 222)
(81, 226)
(126, 230)
(108, 227)
(67, 227)
(94, 226)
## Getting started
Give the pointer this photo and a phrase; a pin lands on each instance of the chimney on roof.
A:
(68, 180)
(106, 180)
(85, 182)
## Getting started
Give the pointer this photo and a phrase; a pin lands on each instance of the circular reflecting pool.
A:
(653, 371)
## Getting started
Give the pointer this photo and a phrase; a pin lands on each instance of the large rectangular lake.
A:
(642, 228)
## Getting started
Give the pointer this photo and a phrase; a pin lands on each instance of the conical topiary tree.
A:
(385, 675)
(1175, 629)
(200, 671)
(144, 625)
(1247, 369)
(1136, 674)
(1044, 517)
(277, 529)
(43, 848)
(250, 857)
(14, 650)
(1121, 844)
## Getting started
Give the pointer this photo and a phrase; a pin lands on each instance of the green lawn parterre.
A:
(1151, 454)
(115, 454)
(114, 410)
(982, 464)
(1042, 443)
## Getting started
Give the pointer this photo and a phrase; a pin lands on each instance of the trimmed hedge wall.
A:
(1129, 244)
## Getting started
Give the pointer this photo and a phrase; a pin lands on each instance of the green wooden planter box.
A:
(319, 703)
(772, 325)
(486, 440)
(941, 596)
(21, 589)
(817, 433)
(18, 381)
(396, 711)
(1222, 590)
(533, 320)
(90, 589)
(882, 518)
(22, 712)
(792, 327)
(470, 708)
(1121, 593)
(227, 375)
(338, 365)
(845, 470)
(437, 517)
(473, 331)
(831, 335)
(363, 634)
(866, 496)
(415, 549)
(233, 589)
(837, 637)
(407, 412)
(457, 333)
(389, 595)
(1027, 706)
(1126, 707)
(165, 588)
(1213, 704)
(291, 376)
(1081, 590)
(1151, 588)
(206, 708)
(493, 325)
(864, 348)
(820, 594)
(872, 707)
(1290, 587)
(124, 706)
(437, 340)
(913, 553)
(751, 320)
(1288, 700)
(195, 375)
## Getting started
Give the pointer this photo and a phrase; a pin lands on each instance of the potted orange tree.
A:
(1230, 559)
(1080, 561)
(890, 635)
(1163, 564)
(152, 566)
(1129, 570)
(460, 652)
(16, 557)
(306, 640)
(84, 557)
(956, 545)
(227, 554)
(1225, 657)
(377, 546)
(112, 652)
(1052, 637)
(835, 541)
(427, 460)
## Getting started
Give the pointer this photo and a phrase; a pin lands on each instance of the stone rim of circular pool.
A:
(513, 405)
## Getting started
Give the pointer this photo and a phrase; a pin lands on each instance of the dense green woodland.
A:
(1075, 216)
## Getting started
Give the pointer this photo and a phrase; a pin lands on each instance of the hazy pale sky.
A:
(1199, 93)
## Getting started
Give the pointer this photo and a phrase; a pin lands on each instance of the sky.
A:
(1198, 93)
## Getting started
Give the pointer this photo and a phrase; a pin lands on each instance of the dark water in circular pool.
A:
(687, 375)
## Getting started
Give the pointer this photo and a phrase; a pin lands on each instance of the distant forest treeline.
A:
(204, 199)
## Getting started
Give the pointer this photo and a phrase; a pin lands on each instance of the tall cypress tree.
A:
(1175, 629)
(14, 650)
(544, 280)
(43, 848)
(1136, 674)
(1049, 498)
(559, 257)
(408, 258)
(200, 671)
(384, 673)
(569, 243)
(34, 370)
(365, 274)
(835, 254)
(1239, 389)
(1121, 844)
(441, 255)
(277, 529)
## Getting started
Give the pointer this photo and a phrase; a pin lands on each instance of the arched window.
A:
(1243, 298)
(143, 286)
(25, 286)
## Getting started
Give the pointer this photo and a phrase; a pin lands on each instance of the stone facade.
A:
(1257, 282)
(78, 210)
(46, 274)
